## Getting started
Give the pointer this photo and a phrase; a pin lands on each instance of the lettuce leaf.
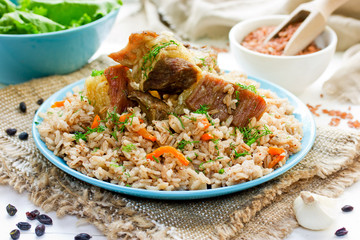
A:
(19, 22)
(72, 13)
(6, 6)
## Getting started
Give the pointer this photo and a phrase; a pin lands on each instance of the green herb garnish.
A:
(252, 134)
(128, 148)
(182, 124)
(151, 55)
(188, 158)
(156, 159)
(183, 143)
(204, 110)
(95, 72)
(251, 88)
(221, 171)
(83, 136)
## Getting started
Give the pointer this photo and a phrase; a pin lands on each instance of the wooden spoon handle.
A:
(326, 7)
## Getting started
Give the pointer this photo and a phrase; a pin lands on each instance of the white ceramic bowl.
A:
(294, 73)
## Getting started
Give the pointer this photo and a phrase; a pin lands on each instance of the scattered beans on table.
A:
(23, 136)
(347, 208)
(341, 232)
(11, 131)
(11, 209)
(40, 230)
(33, 214)
(23, 225)
(44, 219)
(82, 236)
(40, 101)
(22, 107)
(15, 234)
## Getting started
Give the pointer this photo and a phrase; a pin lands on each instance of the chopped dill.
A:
(114, 135)
(221, 171)
(203, 61)
(83, 136)
(95, 72)
(128, 148)
(183, 143)
(127, 174)
(252, 134)
(151, 55)
(194, 119)
(204, 110)
(128, 185)
(95, 149)
(251, 88)
(156, 159)
(182, 124)
(190, 160)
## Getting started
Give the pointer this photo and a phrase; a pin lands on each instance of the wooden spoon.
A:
(313, 16)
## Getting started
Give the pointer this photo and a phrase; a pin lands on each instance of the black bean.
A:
(11, 209)
(15, 234)
(82, 236)
(11, 131)
(44, 219)
(23, 136)
(32, 215)
(23, 225)
(40, 230)
(347, 208)
(341, 232)
(40, 101)
(22, 107)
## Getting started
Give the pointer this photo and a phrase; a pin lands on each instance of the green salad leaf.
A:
(40, 16)
(6, 6)
(72, 13)
(19, 22)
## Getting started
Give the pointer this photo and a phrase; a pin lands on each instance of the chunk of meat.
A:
(118, 87)
(134, 50)
(171, 75)
(154, 108)
(210, 91)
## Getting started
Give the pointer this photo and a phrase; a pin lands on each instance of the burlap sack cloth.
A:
(263, 212)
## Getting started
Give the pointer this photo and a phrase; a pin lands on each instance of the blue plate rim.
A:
(309, 131)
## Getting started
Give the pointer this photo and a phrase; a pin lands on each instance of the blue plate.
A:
(301, 112)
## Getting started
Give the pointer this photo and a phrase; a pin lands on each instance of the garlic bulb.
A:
(314, 211)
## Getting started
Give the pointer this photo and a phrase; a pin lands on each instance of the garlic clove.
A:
(314, 211)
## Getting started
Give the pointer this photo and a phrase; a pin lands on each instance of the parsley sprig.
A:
(151, 55)
(204, 110)
(183, 143)
(83, 136)
(252, 134)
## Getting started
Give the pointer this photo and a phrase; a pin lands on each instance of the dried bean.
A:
(341, 232)
(82, 236)
(40, 230)
(23, 225)
(32, 215)
(40, 101)
(347, 208)
(22, 107)
(10, 131)
(23, 136)
(15, 234)
(11, 209)
(44, 219)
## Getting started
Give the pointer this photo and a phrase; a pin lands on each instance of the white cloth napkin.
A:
(212, 19)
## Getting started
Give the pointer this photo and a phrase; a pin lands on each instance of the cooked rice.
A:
(120, 157)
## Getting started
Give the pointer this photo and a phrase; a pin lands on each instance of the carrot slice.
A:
(275, 151)
(276, 160)
(96, 122)
(123, 117)
(205, 122)
(168, 149)
(145, 134)
(206, 137)
(58, 104)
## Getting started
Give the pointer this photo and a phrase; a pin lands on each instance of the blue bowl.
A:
(27, 56)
